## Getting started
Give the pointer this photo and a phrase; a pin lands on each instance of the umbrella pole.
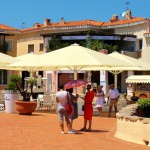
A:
(115, 80)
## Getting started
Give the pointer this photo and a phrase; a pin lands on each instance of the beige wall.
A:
(146, 50)
(133, 129)
(137, 30)
(25, 39)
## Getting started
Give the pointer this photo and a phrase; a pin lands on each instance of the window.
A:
(31, 48)
(3, 77)
(40, 73)
(9, 44)
(41, 47)
(140, 44)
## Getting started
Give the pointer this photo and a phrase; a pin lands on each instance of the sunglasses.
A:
(87, 88)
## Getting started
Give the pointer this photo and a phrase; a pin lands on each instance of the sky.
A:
(24, 13)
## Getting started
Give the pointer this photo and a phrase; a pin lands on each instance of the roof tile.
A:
(124, 21)
(86, 23)
(67, 24)
(7, 28)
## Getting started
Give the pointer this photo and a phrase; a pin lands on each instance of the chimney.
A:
(114, 18)
(47, 22)
(62, 21)
(128, 15)
(36, 25)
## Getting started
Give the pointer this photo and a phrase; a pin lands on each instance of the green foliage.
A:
(16, 81)
(15, 78)
(55, 43)
(144, 103)
(98, 45)
(12, 86)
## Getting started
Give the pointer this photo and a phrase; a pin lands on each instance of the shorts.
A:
(113, 102)
(62, 113)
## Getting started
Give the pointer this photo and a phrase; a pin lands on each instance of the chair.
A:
(53, 98)
(39, 101)
(2, 102)
(47, 103)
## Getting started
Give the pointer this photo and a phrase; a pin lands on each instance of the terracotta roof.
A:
(124, 22)
(7, 28)
(79, 23)
(66, 24)
(82, 23)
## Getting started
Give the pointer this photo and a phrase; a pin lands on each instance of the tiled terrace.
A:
(41, 131)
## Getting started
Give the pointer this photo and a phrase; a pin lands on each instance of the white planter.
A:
(10, 98)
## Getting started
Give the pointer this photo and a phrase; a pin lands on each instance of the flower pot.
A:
(25, 107)
(10, 106)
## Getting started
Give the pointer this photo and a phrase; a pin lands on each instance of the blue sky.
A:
(16, 12)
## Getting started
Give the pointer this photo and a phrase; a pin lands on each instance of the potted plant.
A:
(25, 106)
(10, 95)
(143, 109)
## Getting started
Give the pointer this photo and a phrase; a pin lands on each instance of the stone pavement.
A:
(41, 131)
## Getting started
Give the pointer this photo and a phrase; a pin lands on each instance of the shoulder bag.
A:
(68, 107)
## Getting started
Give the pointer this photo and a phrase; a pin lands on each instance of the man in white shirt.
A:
(62, 98)
(113, 96)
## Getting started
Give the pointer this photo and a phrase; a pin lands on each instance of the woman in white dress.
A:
(100, 99)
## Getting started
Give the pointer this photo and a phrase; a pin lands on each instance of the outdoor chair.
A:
(46, 103)
(2, 102)
(39, 101)
(53, 100)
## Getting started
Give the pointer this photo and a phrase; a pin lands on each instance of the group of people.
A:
(63, 96)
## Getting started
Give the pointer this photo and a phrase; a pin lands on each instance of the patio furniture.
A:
(39, 101)
(2, 102)
(46, 103)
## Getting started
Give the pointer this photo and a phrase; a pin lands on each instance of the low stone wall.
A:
(132, 128)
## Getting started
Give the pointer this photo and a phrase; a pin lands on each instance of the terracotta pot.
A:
(25, 107)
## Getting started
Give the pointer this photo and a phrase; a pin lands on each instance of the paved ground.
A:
(41, 131)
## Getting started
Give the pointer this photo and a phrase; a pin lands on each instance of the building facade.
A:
(131, 33)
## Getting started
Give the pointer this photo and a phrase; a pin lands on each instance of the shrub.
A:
(144, 107)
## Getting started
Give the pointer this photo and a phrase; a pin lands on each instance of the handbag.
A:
(68, 107)
(82, 107)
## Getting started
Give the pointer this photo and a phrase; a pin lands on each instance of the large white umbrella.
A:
(131, 64)
(5, 60)
(137, 62)
(73, 57)
(25, 63)
(26, 56)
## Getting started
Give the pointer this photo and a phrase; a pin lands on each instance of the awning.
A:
(138, 79)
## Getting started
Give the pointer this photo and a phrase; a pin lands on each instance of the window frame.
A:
(30, 49)
(41, 47)
(9, 43)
